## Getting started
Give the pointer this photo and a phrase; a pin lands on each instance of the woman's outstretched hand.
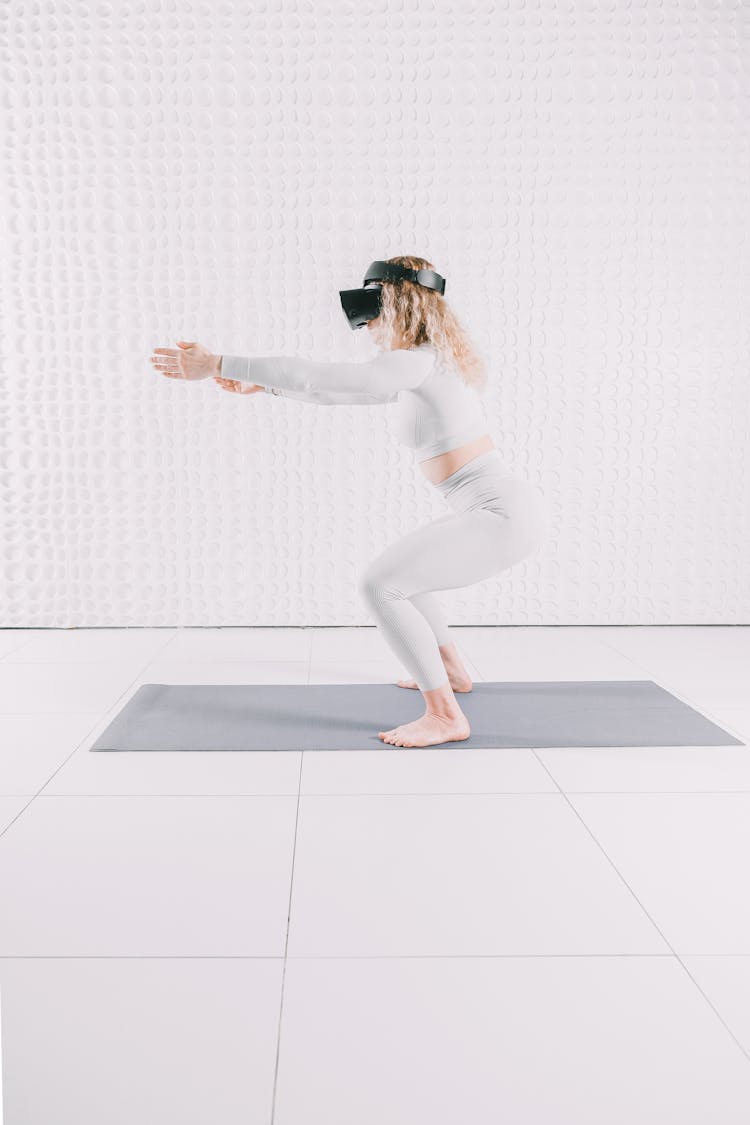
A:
(186, 361)
(237, 386)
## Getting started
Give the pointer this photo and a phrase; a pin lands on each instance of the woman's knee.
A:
(375, 584)
(368, 582)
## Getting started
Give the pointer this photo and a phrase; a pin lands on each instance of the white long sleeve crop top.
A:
(437, 410)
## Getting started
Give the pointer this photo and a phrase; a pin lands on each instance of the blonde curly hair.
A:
(411, 315)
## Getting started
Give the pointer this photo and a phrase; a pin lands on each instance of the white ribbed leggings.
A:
(497, 520)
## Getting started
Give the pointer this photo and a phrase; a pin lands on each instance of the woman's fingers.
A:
(190, 361)
(166, 361)
(167, 358)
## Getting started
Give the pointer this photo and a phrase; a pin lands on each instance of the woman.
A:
(427, 364)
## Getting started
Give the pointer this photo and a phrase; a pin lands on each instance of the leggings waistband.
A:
(484, 482)
(488, 461)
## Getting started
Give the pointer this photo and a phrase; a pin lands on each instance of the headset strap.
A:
(390, 271)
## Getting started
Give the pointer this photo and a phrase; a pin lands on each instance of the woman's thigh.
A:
(460, 548)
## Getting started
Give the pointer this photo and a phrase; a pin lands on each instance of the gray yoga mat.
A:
(349, 716)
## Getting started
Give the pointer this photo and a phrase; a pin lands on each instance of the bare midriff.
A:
(436, 469)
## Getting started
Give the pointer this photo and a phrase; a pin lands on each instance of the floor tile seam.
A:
(286, 945)
(706, 999)
(281, 957)
(664, 683)
(87, 735)
(397, 793)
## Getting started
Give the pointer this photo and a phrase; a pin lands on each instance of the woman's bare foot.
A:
(458, 685)
(428, 730)
(458, 677)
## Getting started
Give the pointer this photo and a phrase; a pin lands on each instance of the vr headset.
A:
(361, 305)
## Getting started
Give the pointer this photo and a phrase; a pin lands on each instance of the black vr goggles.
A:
(361, 305)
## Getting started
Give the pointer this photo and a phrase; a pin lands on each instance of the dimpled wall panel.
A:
(215, 172)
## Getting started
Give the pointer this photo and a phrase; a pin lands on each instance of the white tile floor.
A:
(409, 937)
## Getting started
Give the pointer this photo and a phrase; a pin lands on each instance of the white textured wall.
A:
(578, 172)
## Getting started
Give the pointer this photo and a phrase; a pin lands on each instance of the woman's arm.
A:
(377, 381)
(332, 398)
